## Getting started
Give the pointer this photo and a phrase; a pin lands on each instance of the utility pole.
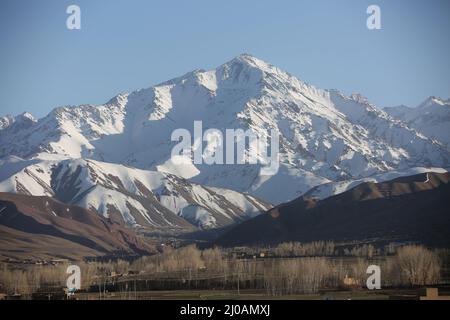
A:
(190, 278)
(238, 282)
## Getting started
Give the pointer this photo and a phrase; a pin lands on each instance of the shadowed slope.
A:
(414, 208)
(68, 231)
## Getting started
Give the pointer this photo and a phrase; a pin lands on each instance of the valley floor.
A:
(389, 294)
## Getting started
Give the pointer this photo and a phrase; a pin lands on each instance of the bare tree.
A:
(418, 265)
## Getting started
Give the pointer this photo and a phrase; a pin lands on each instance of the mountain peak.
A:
(26, 116)
(21, 121)
(250, 60)
(324, 135)
(433, 100)
(6, 121)
(23, 116)
(357, 97)
(247, 57)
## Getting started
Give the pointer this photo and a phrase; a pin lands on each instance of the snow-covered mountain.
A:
(325, 136)
(18, 123)
(135, 197)
(432, 118)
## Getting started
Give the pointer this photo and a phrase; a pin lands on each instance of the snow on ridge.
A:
(431, 119)
(333, 188)
(140, 196)
(325, 136)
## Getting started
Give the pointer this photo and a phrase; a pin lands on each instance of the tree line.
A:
(296, 269)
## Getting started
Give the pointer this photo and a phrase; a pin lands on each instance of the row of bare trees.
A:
(323, 249)
(294, 271)
(299, 272)
(418, 266)
(297, 249)
(25, 281)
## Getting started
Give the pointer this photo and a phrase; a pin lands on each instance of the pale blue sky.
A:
(132, 44)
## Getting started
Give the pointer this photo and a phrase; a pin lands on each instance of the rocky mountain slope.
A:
(41, 228)
(116, 159)
(432, 118)
(326, 190)
(150, 199)
(413, 208)
(325, 136)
